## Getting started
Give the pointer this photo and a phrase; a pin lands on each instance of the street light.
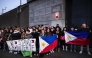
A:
(20, 6)
(18, 13)
(20, 2)
(3, 10)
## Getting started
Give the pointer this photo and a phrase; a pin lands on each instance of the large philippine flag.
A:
(47, 43)
(77, 37)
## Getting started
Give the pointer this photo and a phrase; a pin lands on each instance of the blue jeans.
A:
(72, 47)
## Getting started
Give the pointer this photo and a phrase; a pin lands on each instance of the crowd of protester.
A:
(34, 32)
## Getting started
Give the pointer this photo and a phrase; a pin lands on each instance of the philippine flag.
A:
(47, 43)
(77, 37)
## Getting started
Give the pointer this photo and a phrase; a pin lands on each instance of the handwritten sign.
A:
(22, 45)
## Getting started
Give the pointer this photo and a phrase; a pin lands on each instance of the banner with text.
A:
(22, 45)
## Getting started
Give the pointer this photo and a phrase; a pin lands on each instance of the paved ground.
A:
(61, 54)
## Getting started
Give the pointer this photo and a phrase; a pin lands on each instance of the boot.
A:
(63, 47)
(66, 48)
(58, 49)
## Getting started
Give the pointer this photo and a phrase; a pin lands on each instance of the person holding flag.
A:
(48, 33)
(72, 46)
(64, 45)
(84, 28)
(43, 33)
(58, 32)
(47, 42)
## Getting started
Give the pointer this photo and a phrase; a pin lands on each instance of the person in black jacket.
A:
(5, 34)
(53, 31)
(64, 45)
(84, 28)
(35, 35)
(58, 32)
(15, 36)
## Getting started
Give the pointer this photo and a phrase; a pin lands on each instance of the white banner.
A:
(22, 45)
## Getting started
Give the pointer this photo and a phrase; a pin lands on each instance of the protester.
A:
(34, 32)
(84, 28)
(45, 29)
(15, 36)
(27, 35)
(57, 26)
(42, 33)
(6, 34)
(48, 33)
(1, 39)
(72, 46)
(58, 32)
(9, 36)
(30, 28)
(64, 45)
(53, 31)
(23, 35)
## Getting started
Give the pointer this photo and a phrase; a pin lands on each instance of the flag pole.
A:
(38, 50)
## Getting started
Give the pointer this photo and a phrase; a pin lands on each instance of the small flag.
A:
(32, 41)
(15, 42)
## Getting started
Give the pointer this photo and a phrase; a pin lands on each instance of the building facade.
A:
(50, 12)
(78, 12)
(47, 12)
(8, 18)
(15, 17)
